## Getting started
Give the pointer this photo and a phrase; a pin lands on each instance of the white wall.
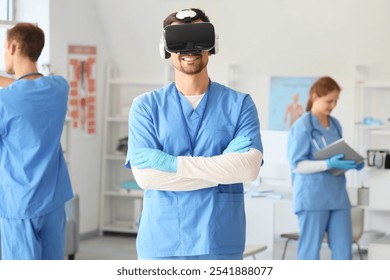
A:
(76, 22)
(373, 43)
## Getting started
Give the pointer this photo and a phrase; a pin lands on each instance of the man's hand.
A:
(240, 144)
(153, 158)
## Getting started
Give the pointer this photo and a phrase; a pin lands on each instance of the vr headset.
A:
(188, 38)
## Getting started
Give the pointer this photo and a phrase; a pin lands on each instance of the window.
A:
(6, 14)
(6, 8)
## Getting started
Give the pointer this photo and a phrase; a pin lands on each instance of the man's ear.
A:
(12, 47)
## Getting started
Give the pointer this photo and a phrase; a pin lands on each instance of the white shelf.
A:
(115, 157)
(148, 83)
(116, 202)
(381, 132)
(123, 227)
(373, 84)
(118, 119)
(373, 209)
(130, 194)
(374, 129)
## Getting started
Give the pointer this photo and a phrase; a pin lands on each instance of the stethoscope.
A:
(319, 133)
(191, 142)
(28, 75)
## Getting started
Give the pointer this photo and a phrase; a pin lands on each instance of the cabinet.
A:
(372, 132)
(279, 218)
(119, 208)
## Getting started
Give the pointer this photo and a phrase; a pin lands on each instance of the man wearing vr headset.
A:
(191, 145)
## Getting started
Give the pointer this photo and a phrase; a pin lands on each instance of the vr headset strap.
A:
(187, 20)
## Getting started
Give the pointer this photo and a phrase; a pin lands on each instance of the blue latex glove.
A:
(240, 144)
(153, 158)
(336, 162)
(360, 166)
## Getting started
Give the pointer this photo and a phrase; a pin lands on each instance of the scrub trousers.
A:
(41, 238)
(198, 257)
(312, 227)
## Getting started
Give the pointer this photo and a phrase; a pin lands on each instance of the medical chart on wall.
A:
(82, 96)
(287, 100)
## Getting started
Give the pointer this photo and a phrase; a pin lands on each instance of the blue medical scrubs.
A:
(321, 201)
(34, 183)
(192, 223)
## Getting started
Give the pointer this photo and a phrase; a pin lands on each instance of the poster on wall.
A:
(82, 97)
(287, 100)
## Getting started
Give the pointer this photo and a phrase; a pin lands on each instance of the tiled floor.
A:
(122, 247)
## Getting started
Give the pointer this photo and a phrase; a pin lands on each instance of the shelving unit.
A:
(373, 100)
(120, 209)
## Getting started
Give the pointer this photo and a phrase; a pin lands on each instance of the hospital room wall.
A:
(74, 22)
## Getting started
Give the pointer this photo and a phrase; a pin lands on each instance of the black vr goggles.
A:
(188, 38)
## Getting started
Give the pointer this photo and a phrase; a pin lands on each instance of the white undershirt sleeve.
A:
(311, 166)
(152, 179)
(194, 173)
(228, 168)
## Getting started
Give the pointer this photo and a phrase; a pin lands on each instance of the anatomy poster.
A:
(288, 98)
(82, 96)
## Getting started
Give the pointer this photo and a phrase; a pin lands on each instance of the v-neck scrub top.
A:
(206, 221)
(320, 190)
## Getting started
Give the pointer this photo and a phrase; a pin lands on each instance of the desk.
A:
(268, 217)
(379, 249)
